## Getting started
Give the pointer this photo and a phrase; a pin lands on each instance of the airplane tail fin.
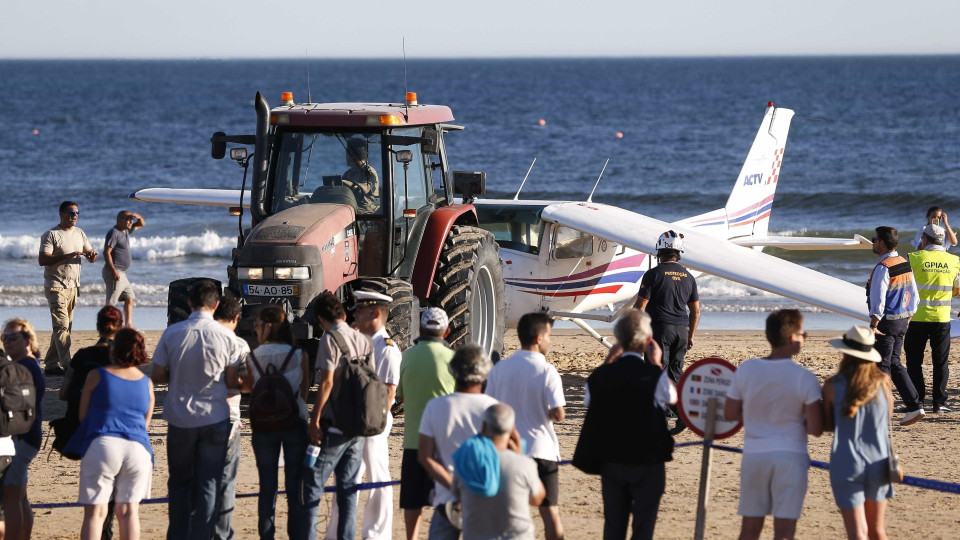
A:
(747, 212)
(750, 202)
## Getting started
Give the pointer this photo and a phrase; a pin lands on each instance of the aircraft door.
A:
(567, 268)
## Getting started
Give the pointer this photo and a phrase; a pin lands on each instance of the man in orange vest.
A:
(892, 299)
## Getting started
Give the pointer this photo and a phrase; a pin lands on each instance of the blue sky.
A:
(492, 28)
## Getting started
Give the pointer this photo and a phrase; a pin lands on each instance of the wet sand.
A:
(928, 449)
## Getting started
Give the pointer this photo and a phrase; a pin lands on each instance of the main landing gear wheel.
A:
(468, 285)
(403, 320)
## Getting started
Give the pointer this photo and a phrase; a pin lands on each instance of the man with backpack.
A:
(370, 311)
(339, 449)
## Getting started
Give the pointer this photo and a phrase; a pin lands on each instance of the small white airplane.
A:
(572, 258)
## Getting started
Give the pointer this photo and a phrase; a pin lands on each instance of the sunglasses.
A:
(72, 212)
(7, 336)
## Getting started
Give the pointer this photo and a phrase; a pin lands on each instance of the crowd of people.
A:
(479, 445)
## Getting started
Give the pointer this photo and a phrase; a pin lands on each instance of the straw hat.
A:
(857, 342)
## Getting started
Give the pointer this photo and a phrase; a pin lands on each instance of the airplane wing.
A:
(804, 242)
(203, 197)
(715, 256)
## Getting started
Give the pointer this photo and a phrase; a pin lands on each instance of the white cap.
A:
(936, 232)
(370, 298)
(434, 319)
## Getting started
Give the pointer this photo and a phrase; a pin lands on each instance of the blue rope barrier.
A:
(922, 483)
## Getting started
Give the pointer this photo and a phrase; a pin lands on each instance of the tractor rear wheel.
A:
(403, 321)
(468, 285)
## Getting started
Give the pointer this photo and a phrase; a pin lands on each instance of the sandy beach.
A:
(929, 449)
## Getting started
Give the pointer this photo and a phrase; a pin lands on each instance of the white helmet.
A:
(670, 240)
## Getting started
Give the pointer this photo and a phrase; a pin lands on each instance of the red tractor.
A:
(351, 195)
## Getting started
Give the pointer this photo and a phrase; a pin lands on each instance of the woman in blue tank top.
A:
(115, 411)
(858, 405)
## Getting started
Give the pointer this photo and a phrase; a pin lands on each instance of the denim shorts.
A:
(17, 472)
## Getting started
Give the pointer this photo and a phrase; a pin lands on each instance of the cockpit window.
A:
(572, 244)
(338, 167)
(514, 227)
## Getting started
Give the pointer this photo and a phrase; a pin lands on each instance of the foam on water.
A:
(150, 248)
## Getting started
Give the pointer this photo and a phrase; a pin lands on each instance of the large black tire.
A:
(468, 285)
(178, 308)
(403, 321)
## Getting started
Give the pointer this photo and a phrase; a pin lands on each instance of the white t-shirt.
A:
(774, 394)
(387, 357)
(450, 420)
(526, 382)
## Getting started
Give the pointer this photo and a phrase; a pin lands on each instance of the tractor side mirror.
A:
(218, 147)
(431, 144)
(404, 156)
(469, 183)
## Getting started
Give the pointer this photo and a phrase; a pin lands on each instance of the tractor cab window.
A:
(339, 167)
(409, 178)
(571, 244)
(514, 227)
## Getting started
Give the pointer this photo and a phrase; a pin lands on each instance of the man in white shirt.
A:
(532, 387)
(198, 357)
(370, 317)
(779, 403)
(448, 421)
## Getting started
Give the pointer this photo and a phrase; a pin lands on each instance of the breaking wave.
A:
(150, 248)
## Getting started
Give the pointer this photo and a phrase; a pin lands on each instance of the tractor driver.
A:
(361, 178)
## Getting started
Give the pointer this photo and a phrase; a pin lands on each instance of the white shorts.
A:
(115, 467)
(773, 483)
(116, 290)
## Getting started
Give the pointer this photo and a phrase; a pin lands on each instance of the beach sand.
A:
(928, 449)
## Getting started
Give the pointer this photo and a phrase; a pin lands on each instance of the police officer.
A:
(370, 312)
(668, 293)
(938, 274)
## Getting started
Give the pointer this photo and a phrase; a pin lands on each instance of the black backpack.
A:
(273, 403)
(18, 399)
(360, 406)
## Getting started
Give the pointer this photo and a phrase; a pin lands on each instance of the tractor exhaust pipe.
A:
(260, 159)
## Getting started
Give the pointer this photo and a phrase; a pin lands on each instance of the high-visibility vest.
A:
(935, 272)
(898, 303)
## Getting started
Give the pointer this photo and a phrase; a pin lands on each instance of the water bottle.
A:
(313, 451)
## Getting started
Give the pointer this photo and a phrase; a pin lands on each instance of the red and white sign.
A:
(706, 378)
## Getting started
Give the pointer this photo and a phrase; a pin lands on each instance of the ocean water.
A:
(874, 141)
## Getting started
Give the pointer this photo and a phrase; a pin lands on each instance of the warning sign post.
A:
(703, 390)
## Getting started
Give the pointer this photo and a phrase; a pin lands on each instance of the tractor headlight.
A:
(251, 273)
(296, 272)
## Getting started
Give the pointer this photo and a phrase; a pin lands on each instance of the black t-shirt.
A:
(669, 287)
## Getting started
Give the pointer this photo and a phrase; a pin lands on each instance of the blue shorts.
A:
(17, 472)
(873, 483)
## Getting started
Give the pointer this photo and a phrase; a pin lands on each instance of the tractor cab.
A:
(386, 161)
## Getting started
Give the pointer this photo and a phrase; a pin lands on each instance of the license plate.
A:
(271, 290)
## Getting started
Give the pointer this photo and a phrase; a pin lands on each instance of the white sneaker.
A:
(912, 417)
